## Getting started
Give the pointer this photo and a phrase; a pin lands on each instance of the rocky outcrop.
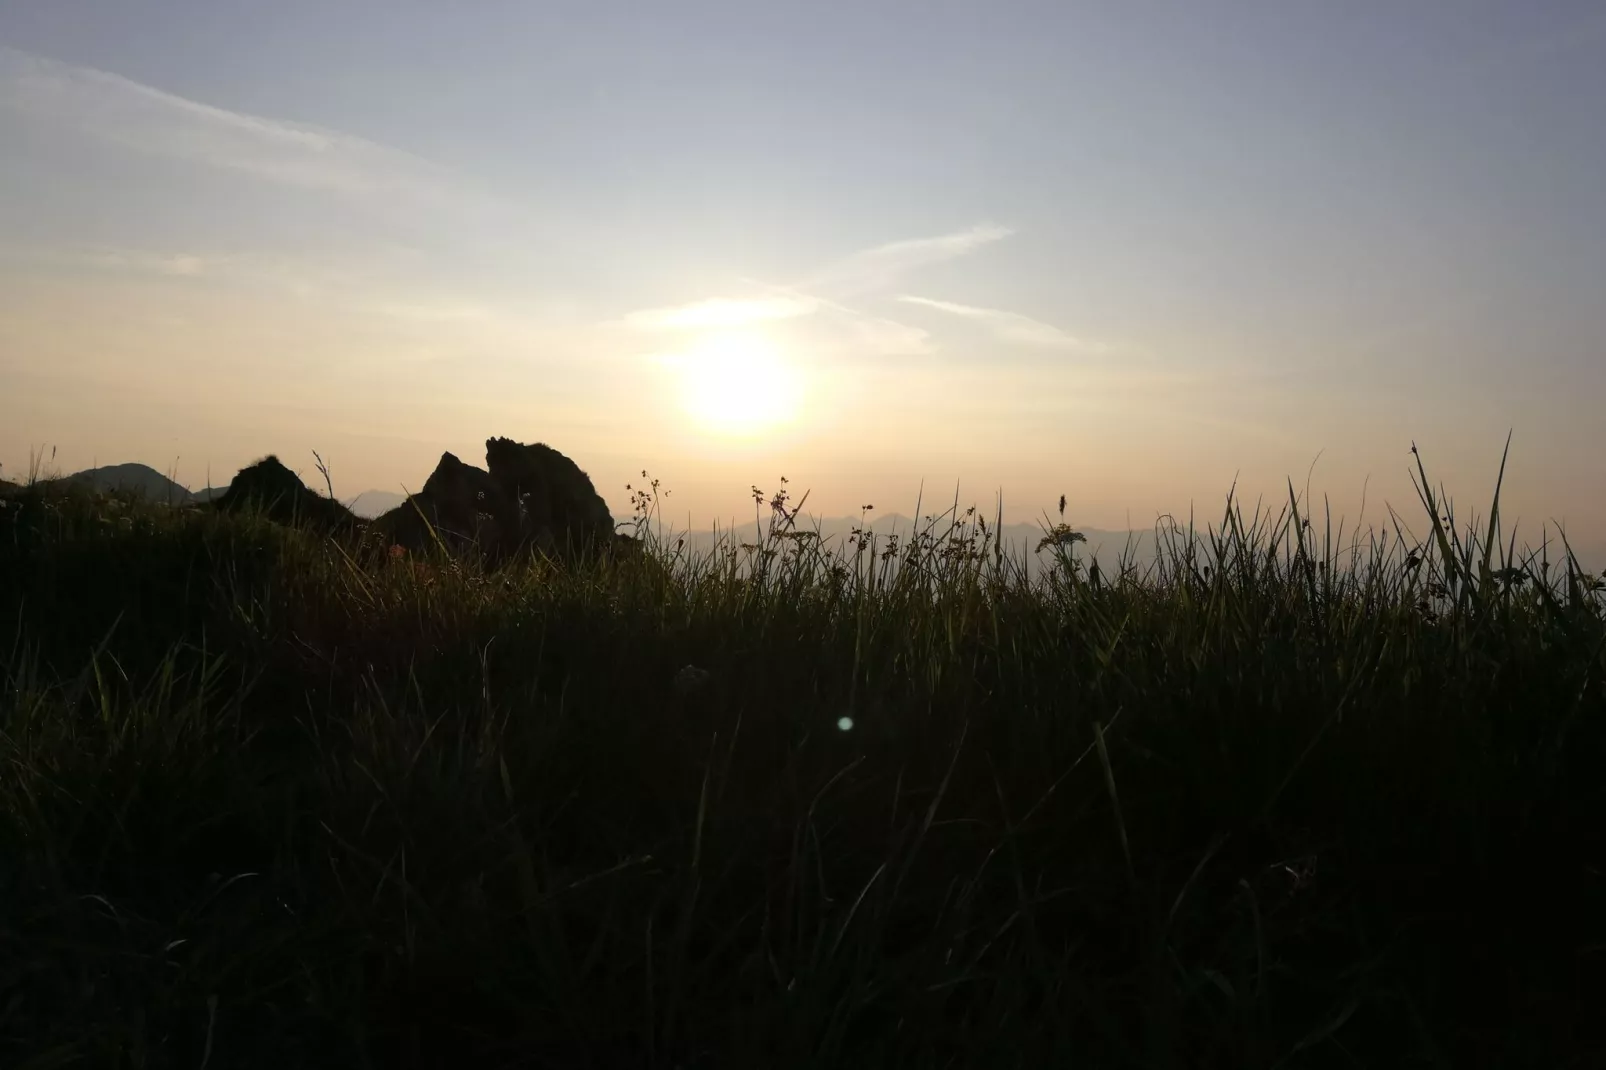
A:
(558, 509)
(531, 498)
(460, 505)
(528, 499)
(276, 492)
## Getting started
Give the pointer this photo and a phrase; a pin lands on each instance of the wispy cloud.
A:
(1012, 326)
(834, 326)
(303, 276)
(721, 312)
(431, 312)
(178, 264)
(877, 268)
(121, 111)
(882, 337)
(852, 330)
(112, 259)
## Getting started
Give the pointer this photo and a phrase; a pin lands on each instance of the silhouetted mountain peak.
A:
(372, 503)
(133, 478)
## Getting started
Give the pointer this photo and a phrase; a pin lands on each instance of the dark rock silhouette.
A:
(532, 498)
(461, 504)
(558, 509)
(278, 493)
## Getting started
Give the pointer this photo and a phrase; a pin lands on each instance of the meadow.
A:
(1284, 797)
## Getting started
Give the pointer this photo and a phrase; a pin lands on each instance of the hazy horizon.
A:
(1130, 255)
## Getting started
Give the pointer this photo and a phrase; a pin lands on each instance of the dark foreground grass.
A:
(1281, 800)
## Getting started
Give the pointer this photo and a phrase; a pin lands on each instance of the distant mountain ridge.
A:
(148, 483)
(372, 503)
(138, 479)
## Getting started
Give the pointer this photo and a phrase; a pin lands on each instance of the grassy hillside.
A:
(1275, 800)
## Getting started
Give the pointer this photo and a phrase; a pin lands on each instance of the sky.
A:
(1127, 253)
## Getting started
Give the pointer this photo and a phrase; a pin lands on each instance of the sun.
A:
(738, 383)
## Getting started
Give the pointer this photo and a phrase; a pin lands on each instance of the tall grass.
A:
(1281, 798)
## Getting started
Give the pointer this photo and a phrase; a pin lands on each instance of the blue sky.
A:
(1124, 252)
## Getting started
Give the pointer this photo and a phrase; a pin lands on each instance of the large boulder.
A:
(272, 489)
(460, 505)
(558, 509)
(532, 498)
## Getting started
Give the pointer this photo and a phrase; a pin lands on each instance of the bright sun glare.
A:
(738, 383)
